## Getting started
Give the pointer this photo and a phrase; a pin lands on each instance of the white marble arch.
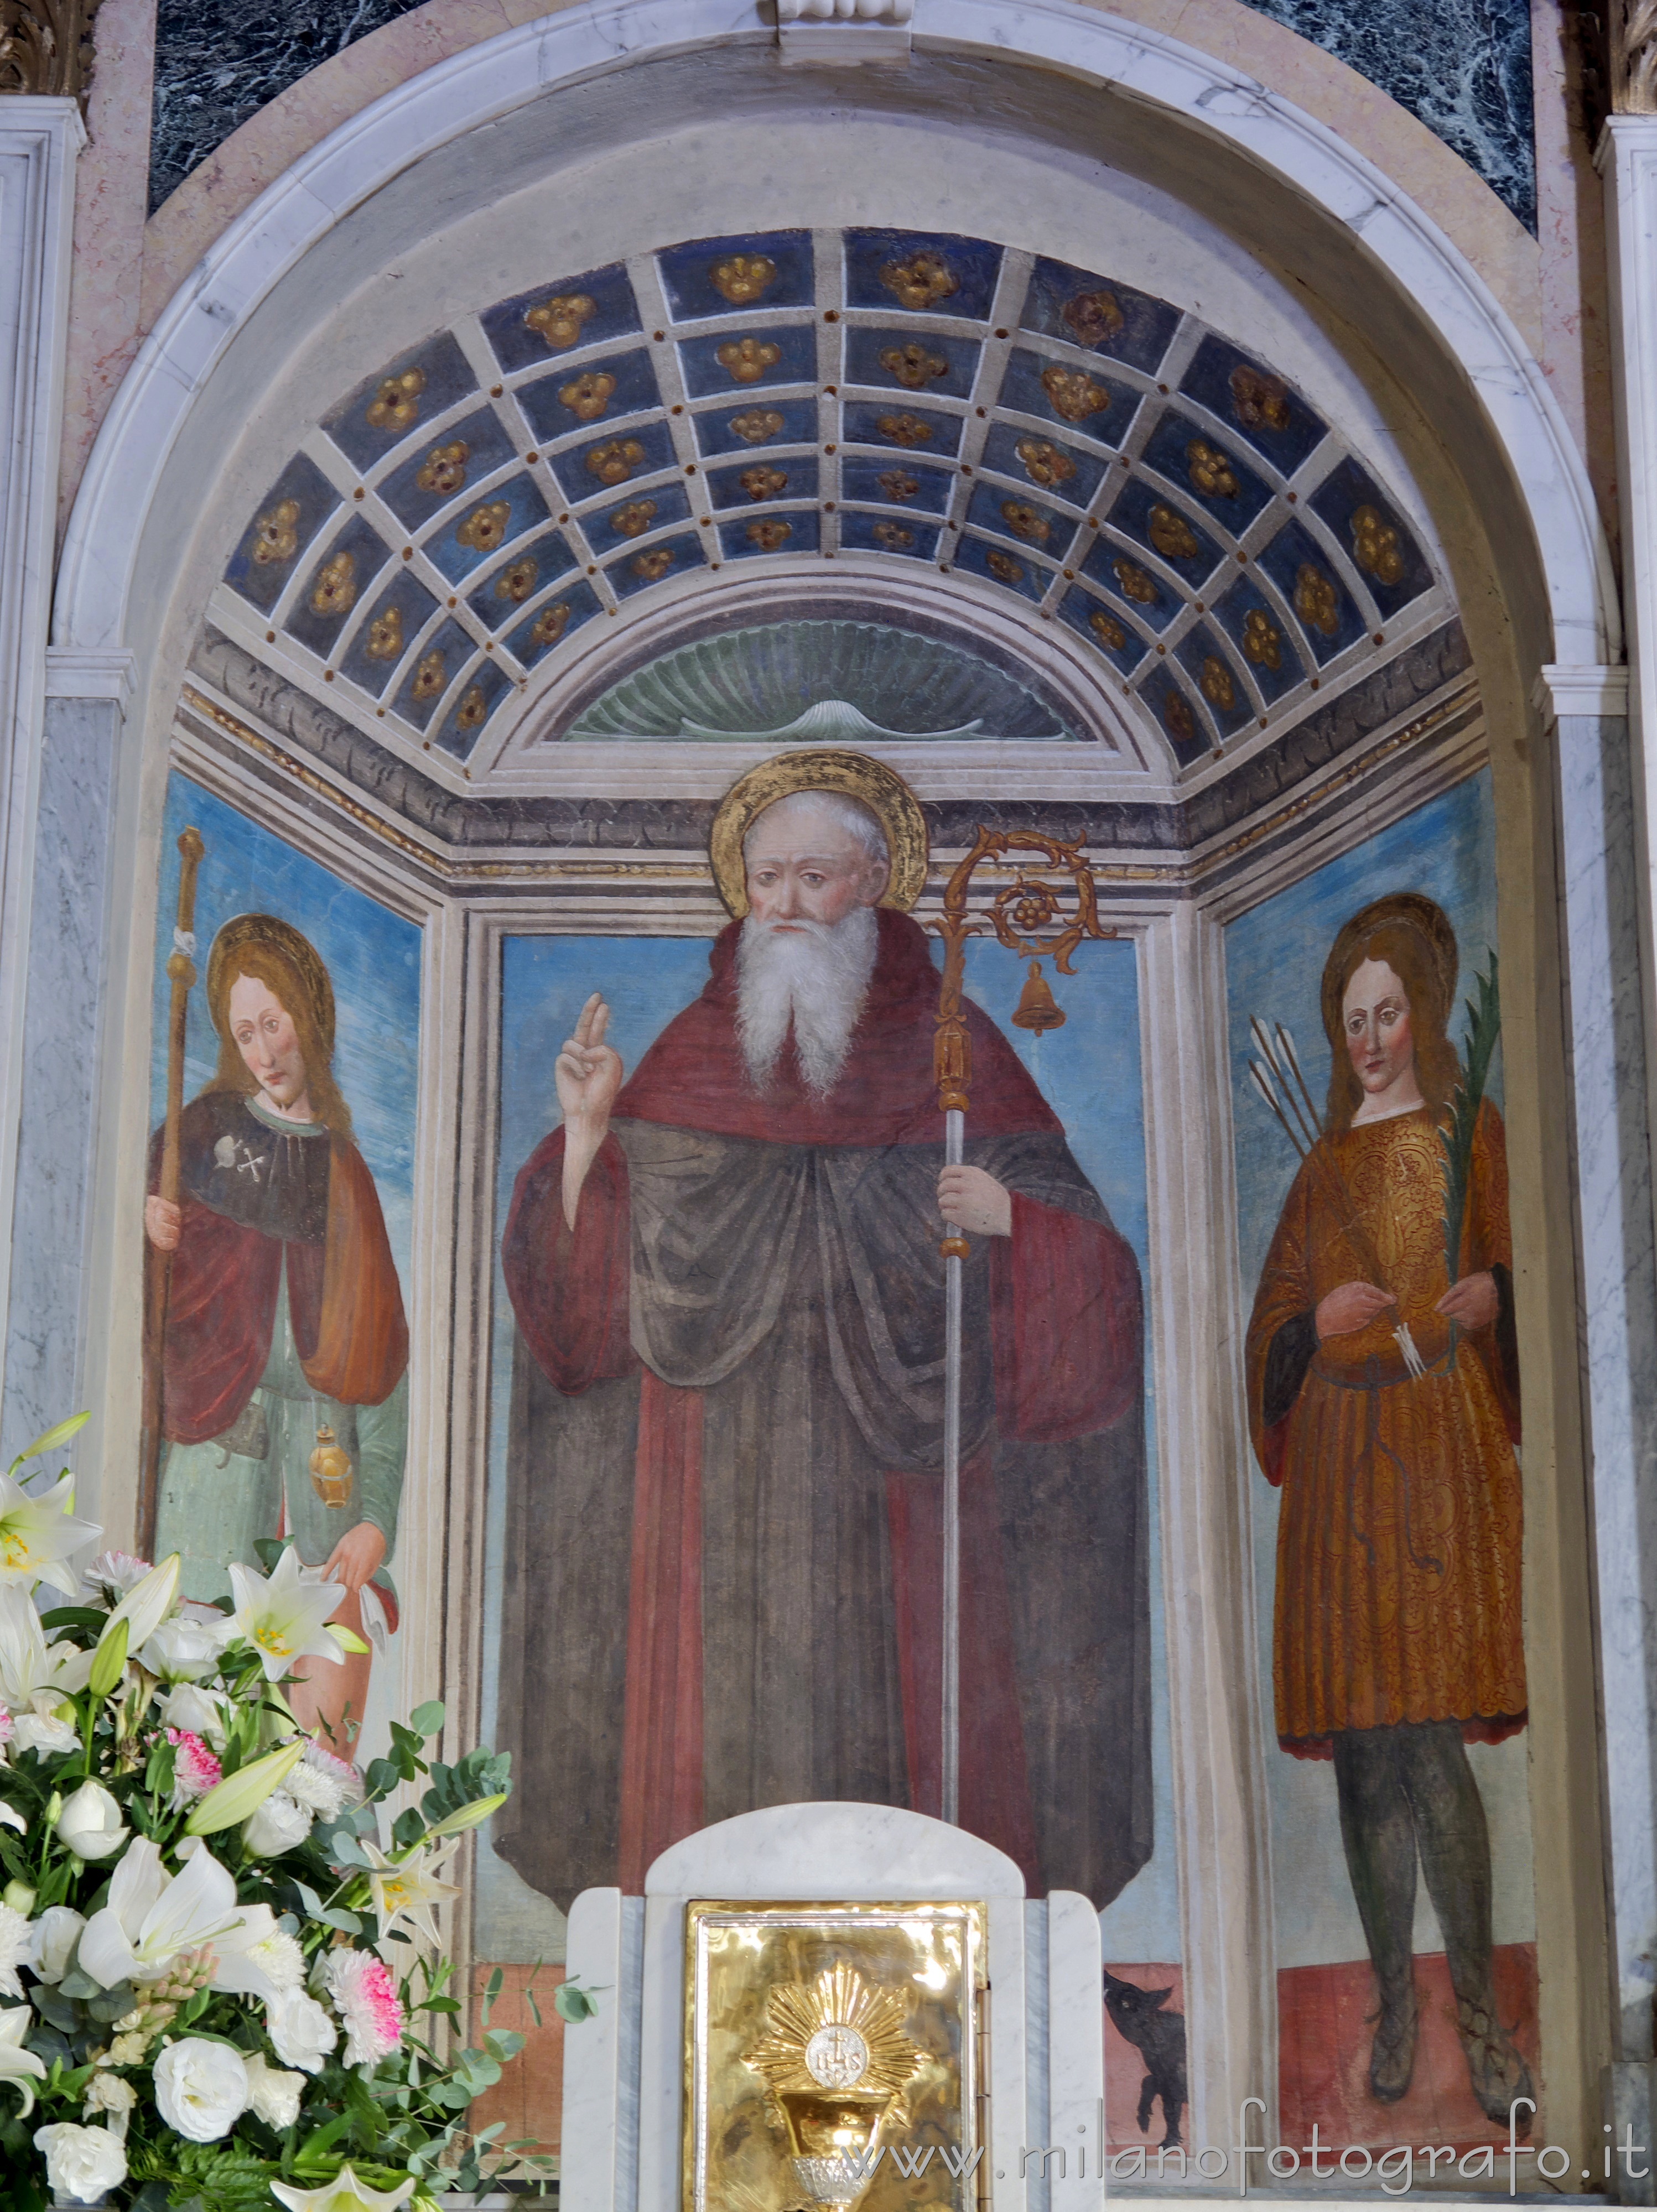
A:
(1507, 488)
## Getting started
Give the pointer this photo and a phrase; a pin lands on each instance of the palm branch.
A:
(1478, 1044)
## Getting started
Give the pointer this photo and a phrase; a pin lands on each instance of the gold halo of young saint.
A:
(858, 776)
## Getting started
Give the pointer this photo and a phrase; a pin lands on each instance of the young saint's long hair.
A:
(268, 963)
(1412, 937)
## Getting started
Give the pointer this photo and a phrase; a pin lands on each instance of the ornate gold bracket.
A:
(45, 47)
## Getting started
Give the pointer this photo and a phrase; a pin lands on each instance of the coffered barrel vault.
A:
(480, 519)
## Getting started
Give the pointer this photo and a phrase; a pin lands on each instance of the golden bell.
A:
(331, 1468)
(1037, 1008)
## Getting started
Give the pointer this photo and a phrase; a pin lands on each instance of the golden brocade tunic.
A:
(1399, 1546)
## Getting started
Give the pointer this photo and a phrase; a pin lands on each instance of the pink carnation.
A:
(195, 1770)
(365, 1998)
(6, 1726)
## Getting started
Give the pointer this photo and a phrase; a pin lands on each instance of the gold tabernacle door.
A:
(833, 2053)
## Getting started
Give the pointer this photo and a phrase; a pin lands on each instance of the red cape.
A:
(693, 1076)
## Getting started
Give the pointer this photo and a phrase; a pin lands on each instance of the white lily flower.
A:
(17, 2065)
(283, 1618)
(15, 1945)
(345, 2193)
(29, 1667)
(147, 1603)
(39, 1535)
(90, 1822)
(45, 1729)
(408, 1890)
(152, 1917)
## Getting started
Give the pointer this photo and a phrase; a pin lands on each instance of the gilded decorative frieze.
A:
(1108, 630)
(652, 567)
(770, 537)
(895, 538)
(473, 707)
(1004, 566)
(764, 483)
(430, 675)
(898, 484)
(550, 625)
(385, 634)
(634, 519)
(1218, 686)
(1138, 583)
(904, 429)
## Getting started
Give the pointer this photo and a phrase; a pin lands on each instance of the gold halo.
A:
(300, 953)
(881, 789)
(1414, 910)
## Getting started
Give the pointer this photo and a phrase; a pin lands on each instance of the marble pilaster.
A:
(62, 1022)
(1599, 937)
(39, 140)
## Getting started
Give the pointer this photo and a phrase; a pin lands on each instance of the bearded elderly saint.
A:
(724, 1512)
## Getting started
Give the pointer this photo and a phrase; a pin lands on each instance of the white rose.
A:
(277, 1825)
(183, 1650)
(90, 1823)
(82, 2163)
(273, 2095)
(201, 2088)
(55, 1935)
(300, 2030)
(192, 1709)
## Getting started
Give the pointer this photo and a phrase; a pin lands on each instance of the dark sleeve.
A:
(1287, 1358)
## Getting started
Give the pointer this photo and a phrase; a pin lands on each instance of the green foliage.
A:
(481, 1773)
(1478, 1046)
(222, 2179)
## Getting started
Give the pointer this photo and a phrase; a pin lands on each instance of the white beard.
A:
(817, 979)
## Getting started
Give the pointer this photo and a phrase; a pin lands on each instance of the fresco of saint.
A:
(1384, 1399)
(283, 1390)
(723, 1517)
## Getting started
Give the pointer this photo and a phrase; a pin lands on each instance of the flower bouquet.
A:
(220, 1981)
